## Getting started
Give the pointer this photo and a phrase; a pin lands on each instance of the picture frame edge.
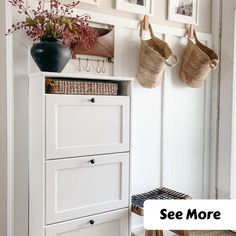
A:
(97, 3)
(170, 16)
(148, 12)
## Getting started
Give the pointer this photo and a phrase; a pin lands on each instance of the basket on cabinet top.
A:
(80, 87)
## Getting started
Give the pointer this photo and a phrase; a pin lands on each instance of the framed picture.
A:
(136, 6)
(94, 2)
(185, 11)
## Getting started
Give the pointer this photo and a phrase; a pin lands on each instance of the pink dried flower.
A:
(56, 22)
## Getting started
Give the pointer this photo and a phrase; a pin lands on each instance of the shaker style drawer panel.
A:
(79, 187)
(86, 125)
(113, 223)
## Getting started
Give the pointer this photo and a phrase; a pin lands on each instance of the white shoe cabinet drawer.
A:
(86, 125)
(84, 186)
(113, 223)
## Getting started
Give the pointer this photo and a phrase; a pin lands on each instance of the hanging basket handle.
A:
(171, 64)
(213, 63)
(153, 36)
(195, 36)
(150, 30)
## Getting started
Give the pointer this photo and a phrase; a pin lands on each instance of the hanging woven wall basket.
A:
(197, 62)
(153, 58)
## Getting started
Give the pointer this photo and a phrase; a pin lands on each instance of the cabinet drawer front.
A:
(75, 126)
(113, 223)
(85, 186)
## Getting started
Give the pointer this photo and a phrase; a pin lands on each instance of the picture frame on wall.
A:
(93, 2)
(184, 11)
(135, 6)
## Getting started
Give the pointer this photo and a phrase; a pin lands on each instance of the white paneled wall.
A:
(147, 122)
(171, 124)
(187, 131)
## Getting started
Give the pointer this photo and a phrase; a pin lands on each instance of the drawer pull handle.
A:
(92, 161)
(92, 100)
(91, 222)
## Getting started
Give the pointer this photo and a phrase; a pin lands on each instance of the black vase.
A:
(50, 55)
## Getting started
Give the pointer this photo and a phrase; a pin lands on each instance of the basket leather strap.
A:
(150, 30)
(195, 36)
(171, 64)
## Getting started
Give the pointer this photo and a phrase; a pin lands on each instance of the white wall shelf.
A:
(81, 76)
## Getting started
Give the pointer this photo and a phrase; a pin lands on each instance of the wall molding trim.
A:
(227, 128)
(6, 125)
(167, 106)
(216, 42)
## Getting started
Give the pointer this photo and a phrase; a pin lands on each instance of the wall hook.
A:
(103, 67)
(80, 67)
(98, 69)
(87, 66)
(190, 31)
(145, 23)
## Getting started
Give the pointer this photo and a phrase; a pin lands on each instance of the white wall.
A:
(6, 124)
(3, 128)
(171, 133)
(227, 160)
(159, 13)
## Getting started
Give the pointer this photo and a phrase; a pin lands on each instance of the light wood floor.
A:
(211, 233)
(194, 233)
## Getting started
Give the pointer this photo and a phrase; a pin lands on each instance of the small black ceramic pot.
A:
(50, 55)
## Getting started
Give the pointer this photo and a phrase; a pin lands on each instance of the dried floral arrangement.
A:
(58, 22)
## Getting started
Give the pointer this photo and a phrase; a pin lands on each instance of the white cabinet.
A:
(78, 187)
(79, 160)
(113, 223)
(86, 125)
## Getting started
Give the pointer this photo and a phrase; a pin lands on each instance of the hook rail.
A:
(99, 67)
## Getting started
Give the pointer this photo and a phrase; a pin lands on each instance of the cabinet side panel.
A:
(36, 156)
(21, 155)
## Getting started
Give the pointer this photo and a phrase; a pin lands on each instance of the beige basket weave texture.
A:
(197, 62)
(153, 57)
(81, 87)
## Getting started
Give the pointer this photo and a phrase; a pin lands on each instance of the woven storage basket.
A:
(81, 87)
(197, 62)
(153, 57)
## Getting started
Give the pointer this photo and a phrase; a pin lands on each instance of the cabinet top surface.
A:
(80, 76)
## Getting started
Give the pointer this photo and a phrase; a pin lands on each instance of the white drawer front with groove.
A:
(113, 223)
(79, 187)
(86, 125)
